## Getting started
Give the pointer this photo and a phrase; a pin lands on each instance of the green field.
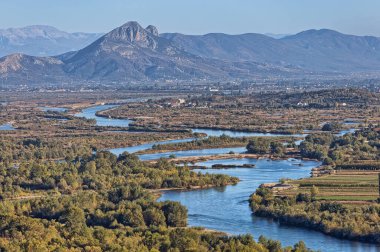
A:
(347, 185)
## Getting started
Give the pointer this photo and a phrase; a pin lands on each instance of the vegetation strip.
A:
(343, 203)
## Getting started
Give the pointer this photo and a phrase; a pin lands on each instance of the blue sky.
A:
(359, 17)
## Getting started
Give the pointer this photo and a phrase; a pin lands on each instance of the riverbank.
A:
(221, 141)
(158, 192)
(196, 159)
(342, 204)
(262, 116)
(155, 150)
(223, 206)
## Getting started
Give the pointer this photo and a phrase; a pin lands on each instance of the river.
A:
(6, 126)
(226, 208)
(90, 113)
(219, 132)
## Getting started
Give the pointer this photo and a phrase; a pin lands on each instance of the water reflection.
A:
(227, 209)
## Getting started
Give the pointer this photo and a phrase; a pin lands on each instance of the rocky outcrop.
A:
(153, 30)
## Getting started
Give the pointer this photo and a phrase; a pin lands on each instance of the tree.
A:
(271, 245)
(291, 144)
(258, 146)
(314, 191)
(154, 216)
(90, 167)
(175, 213)
(330, 127)
(277, 148)
(132, 215)
(300, 247)
(311, 150)
(74, 219)
(303, 197)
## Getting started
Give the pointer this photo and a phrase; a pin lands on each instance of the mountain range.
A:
(131, 53)
(42, 40)
(313, 50)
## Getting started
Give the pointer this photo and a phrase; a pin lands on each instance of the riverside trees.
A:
(343, 204)
(355, 149)
(336, 219)
(102, 203)
(263, 145)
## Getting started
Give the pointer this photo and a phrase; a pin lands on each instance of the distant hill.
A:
(41, 40)
(330, 50)
(131, 53)
(313, 50)
(245, 47)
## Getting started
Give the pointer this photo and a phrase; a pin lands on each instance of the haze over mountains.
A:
(313, 50)
(132, 53)
(42, 40)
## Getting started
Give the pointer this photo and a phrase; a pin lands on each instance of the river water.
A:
(226, 208)
(6, 126)
(90, 113)
(216, 132)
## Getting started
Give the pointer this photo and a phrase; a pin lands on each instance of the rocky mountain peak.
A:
(132, 32)
(152, 29)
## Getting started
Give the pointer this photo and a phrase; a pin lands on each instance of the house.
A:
(176, 102)
(302, 104)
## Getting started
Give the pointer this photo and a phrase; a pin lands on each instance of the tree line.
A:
(103, 202)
